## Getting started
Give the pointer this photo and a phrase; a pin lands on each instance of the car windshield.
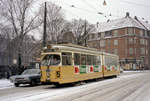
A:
(31, 71)
(51, 59)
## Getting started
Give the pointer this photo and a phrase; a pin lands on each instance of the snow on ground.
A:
(136, 71)
(4, 83)
(48, 95)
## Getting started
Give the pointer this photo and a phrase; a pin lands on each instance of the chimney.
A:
(97, 24)
(127, 14)
(146, 21)
(135, 17)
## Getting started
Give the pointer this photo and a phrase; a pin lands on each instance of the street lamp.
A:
(14, 61)
(104, 3)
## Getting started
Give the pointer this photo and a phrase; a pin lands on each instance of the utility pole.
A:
(44, 27)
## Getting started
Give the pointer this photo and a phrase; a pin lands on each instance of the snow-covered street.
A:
(129, 86)
(4, 83)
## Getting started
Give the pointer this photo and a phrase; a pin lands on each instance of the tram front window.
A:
(51, 59)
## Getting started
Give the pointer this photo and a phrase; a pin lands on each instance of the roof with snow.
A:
(122, 23)
(146, 24)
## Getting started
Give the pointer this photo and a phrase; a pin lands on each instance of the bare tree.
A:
(55, 21)
(18, 14)
(81, 28)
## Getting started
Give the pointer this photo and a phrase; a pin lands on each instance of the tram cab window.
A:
(50, 59)
(66, 58)
(76, 59)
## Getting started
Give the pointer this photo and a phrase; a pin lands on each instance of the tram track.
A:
(101, 91)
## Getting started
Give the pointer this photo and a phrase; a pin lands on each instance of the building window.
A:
(94, 45)
(146, 43)
(108, 33)
(102, 43)
(141, 32)
(99, 35)
(130, 31)
(146, 34)
(116, 51)
(93, 36)
(102, 34)
(130, 40)
(115, 42)
(146, 61)
(115, 32)
(146, 52)
(142, 51)
(130, 51)
(135, 40)
(90, 36)
(142, 41)
(108, 42)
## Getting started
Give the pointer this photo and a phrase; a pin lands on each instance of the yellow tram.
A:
(68, 63)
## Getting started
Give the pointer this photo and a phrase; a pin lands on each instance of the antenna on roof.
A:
(127, 14)
(135, 17)
(97, 24)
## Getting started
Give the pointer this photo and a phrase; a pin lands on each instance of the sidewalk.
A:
(4, 83)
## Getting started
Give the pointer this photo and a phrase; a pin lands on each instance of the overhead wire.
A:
(98, 12)
(91, 11)
(134, 3)
(95, 9)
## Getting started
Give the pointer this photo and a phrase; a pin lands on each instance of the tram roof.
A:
(73, 47)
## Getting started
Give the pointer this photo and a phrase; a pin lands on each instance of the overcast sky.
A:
(88, 9)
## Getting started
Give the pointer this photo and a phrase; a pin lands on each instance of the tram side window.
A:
(83, 59)
(76, 59)
(114, 62)
(66, 58)
(109, 60)
(89, 60)
(94, 60)
(98, 60)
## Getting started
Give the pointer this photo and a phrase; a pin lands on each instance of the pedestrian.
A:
(8, 75)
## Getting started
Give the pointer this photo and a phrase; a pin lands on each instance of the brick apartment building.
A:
(127, 37)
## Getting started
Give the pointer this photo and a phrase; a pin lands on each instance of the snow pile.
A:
(138, 71)
(4, 83)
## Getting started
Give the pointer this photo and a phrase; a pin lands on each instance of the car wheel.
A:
(32, 83)
(16, 84)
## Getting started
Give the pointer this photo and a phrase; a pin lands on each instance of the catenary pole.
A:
(44, 27)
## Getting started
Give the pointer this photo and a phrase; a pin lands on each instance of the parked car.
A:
(29, 76)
